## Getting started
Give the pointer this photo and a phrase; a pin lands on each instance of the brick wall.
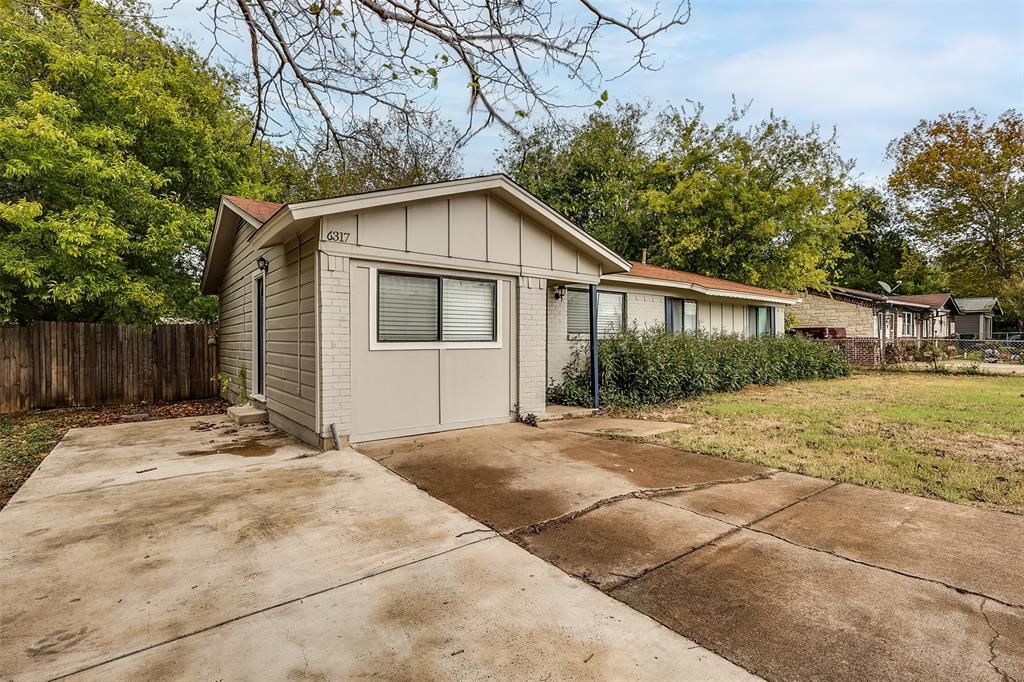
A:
(532, 344)
(335, 345)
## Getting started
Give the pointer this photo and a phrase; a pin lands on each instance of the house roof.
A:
(713, 286)
(873, 298)
(936, 301)
(980, 304)
(277, 223)
(260, 210)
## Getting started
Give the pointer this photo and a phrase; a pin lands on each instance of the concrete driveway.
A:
(788, 576)
(193, 549)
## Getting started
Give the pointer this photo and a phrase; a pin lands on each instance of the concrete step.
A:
(246, 414)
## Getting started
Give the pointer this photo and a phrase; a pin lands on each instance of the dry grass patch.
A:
(956, 438)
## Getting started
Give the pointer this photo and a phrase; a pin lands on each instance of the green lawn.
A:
(956, 438)
(25, 439)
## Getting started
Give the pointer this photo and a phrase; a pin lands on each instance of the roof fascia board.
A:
(686, 286)
(361, 202)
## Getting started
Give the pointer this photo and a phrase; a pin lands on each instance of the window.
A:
(611, 311)
(414, 307)
(908, 324)
(680, 315)
(467, 310)
(762, 320)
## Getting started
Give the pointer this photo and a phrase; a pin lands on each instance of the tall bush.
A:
(654, 366)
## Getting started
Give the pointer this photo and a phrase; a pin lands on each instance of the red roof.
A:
(655, 272)
(933, 300)
(260, 210)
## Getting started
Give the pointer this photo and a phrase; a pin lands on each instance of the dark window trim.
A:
(771, 320)
(669, 314)
(439, 333)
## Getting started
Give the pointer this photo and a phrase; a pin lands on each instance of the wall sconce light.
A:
(262, 264)
(560, 292)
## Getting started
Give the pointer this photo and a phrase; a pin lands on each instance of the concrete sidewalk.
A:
(195, 549)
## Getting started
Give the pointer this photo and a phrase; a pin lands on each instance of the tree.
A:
(327, 60)
(593, 172)
(768, 205)
(114, 147)
(882, 252)
(958, 183)
(395, 156)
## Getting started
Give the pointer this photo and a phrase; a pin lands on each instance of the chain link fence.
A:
(873, 351)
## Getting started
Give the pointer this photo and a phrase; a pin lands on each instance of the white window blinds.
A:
(468, 310)
(611, 308)
(406, 308)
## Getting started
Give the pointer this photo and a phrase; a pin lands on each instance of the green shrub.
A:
(653, 366)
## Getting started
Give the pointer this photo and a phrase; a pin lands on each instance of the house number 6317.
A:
(335, 236)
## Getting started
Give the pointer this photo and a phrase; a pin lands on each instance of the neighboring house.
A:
(844, 312)
(941, 322)
(976, 316)
(432, 307)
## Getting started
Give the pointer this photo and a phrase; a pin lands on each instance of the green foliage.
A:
(243, 388)
(768, 205)
(883, 252)
(114, 147)
(958, 183)
(654, 366)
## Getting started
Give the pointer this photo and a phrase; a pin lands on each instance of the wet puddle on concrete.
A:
(251, 447)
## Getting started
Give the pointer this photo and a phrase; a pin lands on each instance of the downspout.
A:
(593, 347)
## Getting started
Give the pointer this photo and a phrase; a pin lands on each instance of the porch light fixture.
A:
(560, 292)
(262, 264)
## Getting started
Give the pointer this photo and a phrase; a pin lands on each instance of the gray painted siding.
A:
(234, 340)
(291, 333)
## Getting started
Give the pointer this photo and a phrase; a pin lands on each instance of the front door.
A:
(260, 333)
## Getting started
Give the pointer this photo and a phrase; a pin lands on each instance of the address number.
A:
(335, 236)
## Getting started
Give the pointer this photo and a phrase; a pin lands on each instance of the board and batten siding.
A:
(645, 307)
(291, 362)
(472, 231)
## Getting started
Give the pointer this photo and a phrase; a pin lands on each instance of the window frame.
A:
(670, 314)
(771, 321)
(906, 322)
(574, 336)
(439, 342)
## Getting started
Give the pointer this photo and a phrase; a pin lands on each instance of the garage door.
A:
(431, 350)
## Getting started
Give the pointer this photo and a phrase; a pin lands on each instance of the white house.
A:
(431, 307)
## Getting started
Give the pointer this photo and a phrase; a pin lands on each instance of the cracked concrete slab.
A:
(779, 609)
(785, 612)
(511, 476)
(610, 426)
(621, 540)
(244, 564)
(484, 611)
(746, 501)
(972, 549)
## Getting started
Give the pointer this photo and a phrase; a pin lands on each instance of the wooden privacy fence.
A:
(71, 364)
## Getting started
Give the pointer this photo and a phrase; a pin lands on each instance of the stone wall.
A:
(816, 310)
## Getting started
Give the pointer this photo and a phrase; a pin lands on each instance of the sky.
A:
(871, 69)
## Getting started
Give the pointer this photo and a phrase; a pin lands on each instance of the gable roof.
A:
(979, 304)
(260, 211)
(712, 286)
(936, 301)
(277, 223)
(291, 219)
